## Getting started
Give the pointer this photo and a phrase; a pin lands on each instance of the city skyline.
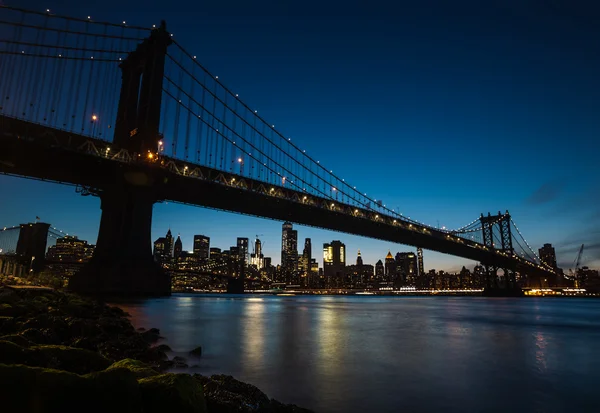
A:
(435, 103)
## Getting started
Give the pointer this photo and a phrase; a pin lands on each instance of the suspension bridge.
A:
(126, 114)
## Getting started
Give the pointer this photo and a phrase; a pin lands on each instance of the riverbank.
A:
(60, 351)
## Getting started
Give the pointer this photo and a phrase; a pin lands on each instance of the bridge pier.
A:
(122, 264)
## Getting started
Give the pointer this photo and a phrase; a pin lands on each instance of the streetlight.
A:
(241, 162)
(160, 146)
(94, 119)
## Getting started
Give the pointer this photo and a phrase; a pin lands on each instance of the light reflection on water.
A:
(388, 354)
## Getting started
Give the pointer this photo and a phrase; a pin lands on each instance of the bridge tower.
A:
(122, 263)
(497, 227)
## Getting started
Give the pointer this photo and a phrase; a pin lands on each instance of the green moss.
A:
(119, 389)
(34, 389)
(17, 339)
(6, 309)
(139, 369)
(172, 392)
(11, 353)
(74, 360)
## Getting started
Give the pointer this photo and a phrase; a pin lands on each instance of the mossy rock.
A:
(40, 390)
(7, 325)
(11, 353)
(139, 369)
(6, 310)
(172, 392)
(74, 360)
(18, 340)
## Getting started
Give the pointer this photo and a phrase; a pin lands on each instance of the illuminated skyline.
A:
(445, 115)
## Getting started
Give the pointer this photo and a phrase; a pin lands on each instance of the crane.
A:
(573, 273)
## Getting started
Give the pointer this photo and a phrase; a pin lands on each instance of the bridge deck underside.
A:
(36, 151)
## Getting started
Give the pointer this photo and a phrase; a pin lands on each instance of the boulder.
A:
(277, 407)
(151, 336)
(139, 369)
(6, 310)
(7, 325)
(17, 339)
(74, 360)
(179, 362)
(224, 394)
(40, 390)
(172, 392)
(11, 353)
(197, 352)
(163, 347)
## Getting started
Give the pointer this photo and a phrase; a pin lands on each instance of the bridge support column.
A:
(122, 264)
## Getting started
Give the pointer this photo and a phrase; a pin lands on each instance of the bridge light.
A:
(89, 17)
(333, 189)
(376, 216)
(304, 198)
(124, 22)
(240, 160)
(232, 180)
(94, 117)
(394, 221)
(150, 155)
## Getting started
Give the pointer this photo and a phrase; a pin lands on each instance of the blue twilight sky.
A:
(445, 109)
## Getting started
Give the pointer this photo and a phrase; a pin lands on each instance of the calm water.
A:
(391, 354)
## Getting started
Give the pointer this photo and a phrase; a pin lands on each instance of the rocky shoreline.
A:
(61, 352)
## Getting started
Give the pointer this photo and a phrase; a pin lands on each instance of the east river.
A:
(393, 354)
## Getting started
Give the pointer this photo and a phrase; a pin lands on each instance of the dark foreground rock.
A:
(62, 352)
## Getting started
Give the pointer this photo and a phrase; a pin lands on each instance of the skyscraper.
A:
(202, 247)
(406, 267)
(242, 245)
(379, 271)
(390, 267)
(289, 250)
(421, 267)
(307, 257)
(178, 248)
(168, 251)
(548, 255)
(334, 263)
(257, 256)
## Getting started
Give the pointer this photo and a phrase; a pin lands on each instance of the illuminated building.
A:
(202, 247)
(406, 268)
(379, 271)
(390, 267)
(421, 267)
(334, 263)
(70, 249)
(289, 252)
(257, 257)
(168, 251)
(242, 246)
(178, 248)
(548, 255)
(359, 274)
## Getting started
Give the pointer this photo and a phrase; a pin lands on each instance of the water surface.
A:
(393, 354)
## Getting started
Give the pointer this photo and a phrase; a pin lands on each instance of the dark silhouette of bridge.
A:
(164, 128)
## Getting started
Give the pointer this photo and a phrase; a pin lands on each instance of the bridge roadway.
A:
(40, 152)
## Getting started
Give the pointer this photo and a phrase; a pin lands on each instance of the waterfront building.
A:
(379, 271)
(548, 255)
(242, 246)
(334, 263)
(390, 267)
(202, 247)
(289, 252)
(257, 257)
(177, 248)
(70, 249)
(406, 268)
(168, 252)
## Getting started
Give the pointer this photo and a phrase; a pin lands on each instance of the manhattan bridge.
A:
(126, 114)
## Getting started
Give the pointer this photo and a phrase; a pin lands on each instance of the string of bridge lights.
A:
(303, 151)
